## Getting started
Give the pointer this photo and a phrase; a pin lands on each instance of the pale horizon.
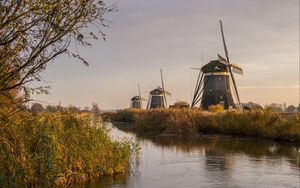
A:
(262, 37)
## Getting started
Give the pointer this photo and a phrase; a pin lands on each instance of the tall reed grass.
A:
(51, 149)
(189, 122)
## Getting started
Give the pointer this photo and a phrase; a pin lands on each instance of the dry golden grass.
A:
(50, 149)
(190, 121)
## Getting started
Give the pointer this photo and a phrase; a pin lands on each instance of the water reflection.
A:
(208, 161)
(226, 146)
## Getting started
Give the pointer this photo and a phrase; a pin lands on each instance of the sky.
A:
(175, 35)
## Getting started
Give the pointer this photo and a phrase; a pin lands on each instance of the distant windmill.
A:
(136, 101)
(213, 83)
(157, 98)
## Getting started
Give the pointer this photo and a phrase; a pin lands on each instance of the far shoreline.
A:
(186, 123)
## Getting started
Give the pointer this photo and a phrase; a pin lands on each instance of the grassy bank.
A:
(190, 122)
(50, 149)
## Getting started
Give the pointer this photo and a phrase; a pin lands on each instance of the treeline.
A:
(38, 108)
(281, 108)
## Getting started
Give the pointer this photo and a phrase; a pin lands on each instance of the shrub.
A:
(216, 108)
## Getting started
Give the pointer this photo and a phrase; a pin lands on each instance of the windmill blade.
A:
(140, 95)
(163, 87)
(228, 61)
(222, 59)
(148, 104)
(196, 68)
(139, 90)
(197, 88)
(162, 79)
(236, 69)
(224, 43)
(167, 93)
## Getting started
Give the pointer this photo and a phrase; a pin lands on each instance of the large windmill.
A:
(214, 82)
(157, 97)
(137, 101)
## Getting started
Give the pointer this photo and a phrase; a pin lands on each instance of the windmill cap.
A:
(136, 98)
(157, 91)
(214, 66)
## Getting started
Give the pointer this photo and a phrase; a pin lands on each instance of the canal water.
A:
(208, 161)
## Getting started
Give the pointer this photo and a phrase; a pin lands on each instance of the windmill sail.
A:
(227, 56)
(236, 69)
(141, 99)
(163, 87)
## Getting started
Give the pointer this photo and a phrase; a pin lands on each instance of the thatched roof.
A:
(181, 103)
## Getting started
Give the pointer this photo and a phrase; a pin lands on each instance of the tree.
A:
(251, 106)
(74, 109)
(37, 108)
(51, 108)
(95, 109)
(291, 109)
(34, 32)
(275, 107)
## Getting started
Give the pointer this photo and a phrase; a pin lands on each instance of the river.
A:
(209, 161)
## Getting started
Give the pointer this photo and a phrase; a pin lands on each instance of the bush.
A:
(216, 108)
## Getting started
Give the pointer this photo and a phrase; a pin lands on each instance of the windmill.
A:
(136, 101)
(214, 82)
(157, 97)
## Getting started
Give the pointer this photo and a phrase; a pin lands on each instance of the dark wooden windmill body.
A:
(157, 97)
(215, 81)
(137, 101)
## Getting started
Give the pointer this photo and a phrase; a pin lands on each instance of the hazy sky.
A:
(146, 35)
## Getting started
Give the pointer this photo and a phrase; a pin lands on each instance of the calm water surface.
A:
(207, 162)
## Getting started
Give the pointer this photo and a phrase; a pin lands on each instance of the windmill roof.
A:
(136, 98)
(214, 66)
(157, 91)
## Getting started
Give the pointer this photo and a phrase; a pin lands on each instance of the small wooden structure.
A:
(180, 104)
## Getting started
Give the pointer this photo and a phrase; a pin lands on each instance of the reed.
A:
(190, 122)
(50, 149)
(126, 115)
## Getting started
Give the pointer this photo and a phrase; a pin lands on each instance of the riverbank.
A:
(51, 149)
(194, 122)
